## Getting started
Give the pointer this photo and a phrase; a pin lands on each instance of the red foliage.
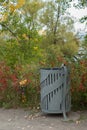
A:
(15, 81)
(6, 77)
(79, 83)
(81, 88)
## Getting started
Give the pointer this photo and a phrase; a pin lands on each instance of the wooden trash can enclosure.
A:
(55, 90)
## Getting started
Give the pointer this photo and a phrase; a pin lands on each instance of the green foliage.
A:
(85, 42)
(23, 51)
(56, 22)
(52, 54)
(83, 19)
(82, 3)
(70, 49)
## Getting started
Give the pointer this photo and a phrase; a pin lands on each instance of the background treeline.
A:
(36, 34)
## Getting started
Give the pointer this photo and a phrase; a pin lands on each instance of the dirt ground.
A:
(22, 119)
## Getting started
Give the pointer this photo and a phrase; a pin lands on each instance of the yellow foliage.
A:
(4, 4)
(23, 82)
(36, 40)
(20, 3)
(35, 48)
(12, 7)
(25, 36)
(4, 17)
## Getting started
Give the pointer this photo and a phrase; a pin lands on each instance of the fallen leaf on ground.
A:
(77, 122)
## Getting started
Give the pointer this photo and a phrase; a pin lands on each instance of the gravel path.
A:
(21, 119)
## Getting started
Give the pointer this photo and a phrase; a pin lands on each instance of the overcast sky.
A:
(78, 13)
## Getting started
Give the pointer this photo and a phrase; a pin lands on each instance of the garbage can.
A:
(55, 90)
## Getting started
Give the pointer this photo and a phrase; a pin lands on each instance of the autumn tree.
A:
(19, 22)
(58, 28)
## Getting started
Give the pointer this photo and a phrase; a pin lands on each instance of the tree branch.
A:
(55, 28)
(9, 30)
